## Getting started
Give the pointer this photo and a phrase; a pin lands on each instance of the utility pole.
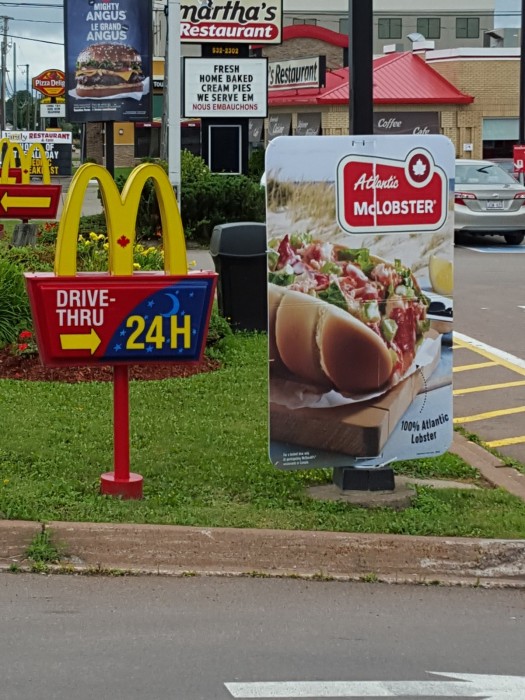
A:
(4, 71)
(15, 98)
(522, 78)
(28, 106)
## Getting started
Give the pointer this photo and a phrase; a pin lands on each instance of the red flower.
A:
(25, 335)
(22, 346)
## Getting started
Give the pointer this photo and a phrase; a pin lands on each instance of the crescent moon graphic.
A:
(175, 306)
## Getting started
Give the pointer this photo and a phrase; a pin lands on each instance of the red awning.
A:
(399, 78)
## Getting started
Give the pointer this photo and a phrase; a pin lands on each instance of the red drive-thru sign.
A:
(103, 319)
(29, 201)
(391, 195)
(519, 159)
(18, 198)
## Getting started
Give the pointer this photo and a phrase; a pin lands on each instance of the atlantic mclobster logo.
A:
(391, 196)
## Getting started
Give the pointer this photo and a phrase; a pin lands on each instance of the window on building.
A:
(389, 28)
(430, 27)
(300, 20)
(147, 142)
(467, 27)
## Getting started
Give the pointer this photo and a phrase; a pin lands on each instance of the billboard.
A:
(108, 60)
(225, 87)
(57, 145)
(233, 22)
(360, 271)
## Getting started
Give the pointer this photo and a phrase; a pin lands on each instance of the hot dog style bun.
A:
(326, 346)
(340, 317)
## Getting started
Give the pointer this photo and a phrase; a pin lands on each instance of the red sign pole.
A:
(121, 482)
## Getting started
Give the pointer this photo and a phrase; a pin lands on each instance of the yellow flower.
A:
(6, 481)
(150, 250)
(192, 263)
(106, 246)
(101, 237)
(139, 248)
(136, 266)
(93, 236)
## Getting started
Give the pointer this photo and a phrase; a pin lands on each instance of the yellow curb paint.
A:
(488, 387)
(506, 441)
(479, 365)
(489, 414)
(490, 356)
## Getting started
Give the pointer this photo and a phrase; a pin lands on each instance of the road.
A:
(129, 638)
(489, 306)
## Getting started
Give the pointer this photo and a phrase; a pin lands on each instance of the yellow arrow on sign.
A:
(24, 202)
(80, 341)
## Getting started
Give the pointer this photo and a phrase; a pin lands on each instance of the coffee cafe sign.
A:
(406, 123)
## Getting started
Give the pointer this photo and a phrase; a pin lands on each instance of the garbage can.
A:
(239, 255)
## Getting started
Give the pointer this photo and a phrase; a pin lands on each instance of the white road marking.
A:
(470, 686)
(501, 354)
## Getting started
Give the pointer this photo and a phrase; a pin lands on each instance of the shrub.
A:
(207, 199)
(256, 165)
(14, 303)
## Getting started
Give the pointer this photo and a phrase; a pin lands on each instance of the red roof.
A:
(399, 78)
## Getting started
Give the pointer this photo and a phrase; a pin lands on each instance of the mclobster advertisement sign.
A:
(108, 60)
(360, 275)
(225, 87)
(231, 21)
(57, 144)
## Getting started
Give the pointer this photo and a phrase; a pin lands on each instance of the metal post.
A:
(121, 482)
(15, 97)
(361, 121)
(174, 96)
(4, 73)
(360, 66)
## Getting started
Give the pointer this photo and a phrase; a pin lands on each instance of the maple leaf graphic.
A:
(419, 168)
(123, 241)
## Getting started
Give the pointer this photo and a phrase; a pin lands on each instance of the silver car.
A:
(488, 201)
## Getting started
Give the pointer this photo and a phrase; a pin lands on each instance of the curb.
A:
(184, 551)
(489, 466)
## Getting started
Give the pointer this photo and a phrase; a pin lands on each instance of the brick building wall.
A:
(295, 48)
(95, 142)
(493, 82)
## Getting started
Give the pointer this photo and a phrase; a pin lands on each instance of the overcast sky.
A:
(31, 24)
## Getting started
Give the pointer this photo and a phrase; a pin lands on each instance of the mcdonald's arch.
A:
(120, 316)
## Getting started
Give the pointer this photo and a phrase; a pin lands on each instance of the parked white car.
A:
(488, 201)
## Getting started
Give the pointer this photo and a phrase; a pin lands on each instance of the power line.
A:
(30, 38)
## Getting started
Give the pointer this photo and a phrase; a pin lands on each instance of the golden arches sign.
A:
(10, 150)
(121, 216)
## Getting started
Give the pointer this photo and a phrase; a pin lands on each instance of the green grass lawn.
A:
(201, 445)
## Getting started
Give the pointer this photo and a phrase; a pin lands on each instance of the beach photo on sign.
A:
(360, 297)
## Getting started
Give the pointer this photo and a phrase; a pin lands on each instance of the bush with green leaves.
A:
(15, 313)
(207, 199)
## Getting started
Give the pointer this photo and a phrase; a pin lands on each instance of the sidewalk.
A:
(182, 551)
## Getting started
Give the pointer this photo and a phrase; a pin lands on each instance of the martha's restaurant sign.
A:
(231, 21)
(391, 195)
